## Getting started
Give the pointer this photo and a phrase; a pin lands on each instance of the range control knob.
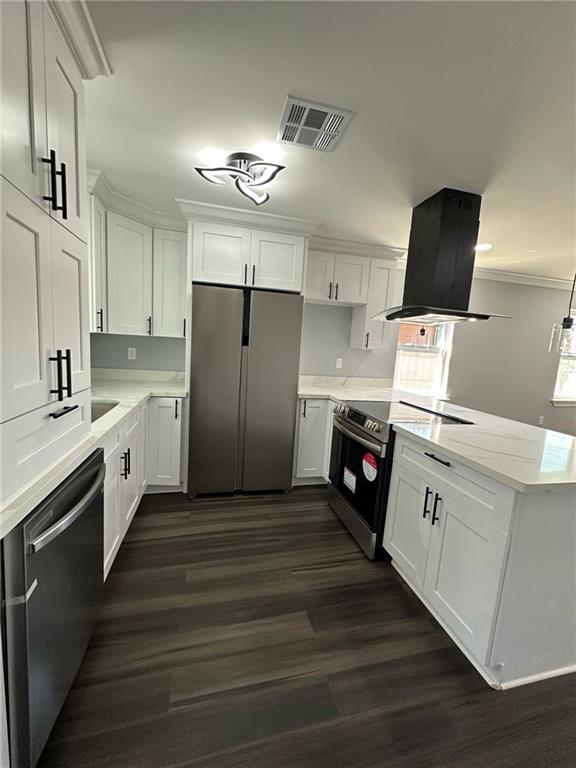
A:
(377, 427)
(369, 424)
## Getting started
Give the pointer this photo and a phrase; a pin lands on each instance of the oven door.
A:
(357, 470)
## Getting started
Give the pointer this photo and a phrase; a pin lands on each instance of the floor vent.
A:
(311, 125)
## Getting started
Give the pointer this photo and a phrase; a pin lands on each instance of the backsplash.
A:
(326, 336)
(153, 353)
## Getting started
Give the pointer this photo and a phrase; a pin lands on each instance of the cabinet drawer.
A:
(131, 421)
(34, 441)
(497, 500)
(112, 443)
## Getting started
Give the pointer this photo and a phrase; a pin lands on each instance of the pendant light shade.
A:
(563, 338)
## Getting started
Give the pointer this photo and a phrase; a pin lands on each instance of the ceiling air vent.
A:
(312, 125)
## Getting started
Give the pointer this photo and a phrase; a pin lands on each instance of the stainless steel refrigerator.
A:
(243, 388)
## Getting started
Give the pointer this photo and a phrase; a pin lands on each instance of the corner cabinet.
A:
(165, 427)
(98, 269)
(169, 283)
(465, 544)
(365, 332)
(233, 255)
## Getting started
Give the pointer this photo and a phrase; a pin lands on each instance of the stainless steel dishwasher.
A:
(52, 567)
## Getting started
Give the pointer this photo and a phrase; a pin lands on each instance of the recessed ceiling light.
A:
(483, 247)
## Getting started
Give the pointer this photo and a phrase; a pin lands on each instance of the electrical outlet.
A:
(540, 420)
(339, 362)
(131, 353)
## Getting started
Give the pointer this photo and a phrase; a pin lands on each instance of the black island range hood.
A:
(440, 261)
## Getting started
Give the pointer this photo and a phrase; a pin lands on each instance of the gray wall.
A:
(326, 336)
(503, 366)
(153, 353)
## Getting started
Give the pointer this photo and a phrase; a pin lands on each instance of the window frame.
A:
(556, 398)
(444, 349)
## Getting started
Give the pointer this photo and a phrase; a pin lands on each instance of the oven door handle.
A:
(379, 450)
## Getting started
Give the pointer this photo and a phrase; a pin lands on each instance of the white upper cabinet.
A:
(169, 283)
(165, 425)
(319, 276)
(337, 278)
(23, 98)
(220, 253)
(351, 277)
(70, 303)
(367, 333)
(26, 291)
(276, 261)
(98, 293)
(65, 127)
(129, 276)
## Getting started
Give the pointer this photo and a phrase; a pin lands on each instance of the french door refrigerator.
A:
(245, 351)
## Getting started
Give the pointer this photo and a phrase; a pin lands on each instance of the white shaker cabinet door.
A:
(129, 248)
(169, 289)
(276, 261)
(312, 436)
(66, 134)
(407, 531)
(319, 277)
(23, 98)
(27, 375)
(351, 279)
(464, 569)
(70, 302)
(220, 253)
(112, 506)
(367, 333)
(165, 424)
(98, 297)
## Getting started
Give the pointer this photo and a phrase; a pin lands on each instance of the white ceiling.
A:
(478, 96)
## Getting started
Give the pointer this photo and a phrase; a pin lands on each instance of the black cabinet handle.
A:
(52, 197)
(175, 409)
(124, 471)
(129, 461)
(437, 500)
(367, 337)
(100, 317)
(330, 290)
(64, 206)
(245, 273)
(304, 412)
(184, 329)
(149, 321)
(253, 273)
(62, 411)
(426, 495)
(68, 357)
(336, 292)
(440, 461)
(59, 387)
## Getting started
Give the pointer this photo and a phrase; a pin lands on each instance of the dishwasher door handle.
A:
(65, 522)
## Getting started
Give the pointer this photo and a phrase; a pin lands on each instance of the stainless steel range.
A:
(361, 462)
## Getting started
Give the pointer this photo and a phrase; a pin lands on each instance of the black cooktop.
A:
(400, 411)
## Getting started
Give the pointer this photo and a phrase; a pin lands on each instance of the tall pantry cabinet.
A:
(45, 378)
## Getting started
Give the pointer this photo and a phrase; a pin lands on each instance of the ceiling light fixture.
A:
(247, 172)
(563, 337)
(483, 247)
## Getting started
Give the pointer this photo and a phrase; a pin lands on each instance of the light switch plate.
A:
(131, 353)
(339, 362)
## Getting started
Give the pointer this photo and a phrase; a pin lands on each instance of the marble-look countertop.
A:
(130, 389)
(521, 456)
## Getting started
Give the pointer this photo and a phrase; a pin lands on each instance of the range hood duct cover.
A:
(440, 263)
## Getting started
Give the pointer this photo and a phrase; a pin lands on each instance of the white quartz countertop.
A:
(129, 393)
(522, 456)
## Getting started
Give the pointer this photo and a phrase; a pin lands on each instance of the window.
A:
(566, 378)
(423, 358)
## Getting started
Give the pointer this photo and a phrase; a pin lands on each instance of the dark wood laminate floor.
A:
(252, 633)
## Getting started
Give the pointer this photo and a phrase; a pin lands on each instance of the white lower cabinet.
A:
(313, 440)
(165, 429)
(130, 484)
(112, 513)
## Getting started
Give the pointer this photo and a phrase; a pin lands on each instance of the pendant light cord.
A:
(571, 297)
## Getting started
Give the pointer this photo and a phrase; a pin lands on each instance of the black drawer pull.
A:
(62, 411)
(440, 461)
(426, 495)
(124, 471)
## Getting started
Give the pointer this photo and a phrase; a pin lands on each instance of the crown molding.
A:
(193, 209)
(75, 22)
(516, 278)
(372, 250)
(115, 201)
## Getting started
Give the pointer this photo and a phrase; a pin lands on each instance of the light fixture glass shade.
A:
(563, 338)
